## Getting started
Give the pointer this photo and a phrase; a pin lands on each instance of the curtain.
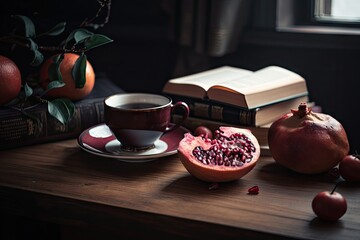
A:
(203, 29)
(212, 27)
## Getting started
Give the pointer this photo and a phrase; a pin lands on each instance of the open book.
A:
(240, 87)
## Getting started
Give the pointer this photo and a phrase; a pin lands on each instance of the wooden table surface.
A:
(60, 183)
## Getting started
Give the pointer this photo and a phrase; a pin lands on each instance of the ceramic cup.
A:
(138, 120)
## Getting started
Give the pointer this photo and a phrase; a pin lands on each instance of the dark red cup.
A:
(138, 120)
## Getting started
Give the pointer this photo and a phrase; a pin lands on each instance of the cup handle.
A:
(185, 115)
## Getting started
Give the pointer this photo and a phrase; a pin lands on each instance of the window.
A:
(337, 11)
(319, 16)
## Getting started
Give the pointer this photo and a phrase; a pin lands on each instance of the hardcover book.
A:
(238, 115)
(36, 125)
(240, 87)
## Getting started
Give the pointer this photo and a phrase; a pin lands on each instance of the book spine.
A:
(207, 109)
(38, 126)
(261, 133)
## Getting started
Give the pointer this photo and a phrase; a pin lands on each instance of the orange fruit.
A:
(69, 90)
(10, 80)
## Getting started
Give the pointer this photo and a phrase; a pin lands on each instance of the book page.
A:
(265, 86)
(268, 78)
(211, 77)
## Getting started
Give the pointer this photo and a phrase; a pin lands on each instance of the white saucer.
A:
(99, 140)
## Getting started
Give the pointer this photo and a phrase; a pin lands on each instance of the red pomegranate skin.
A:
(307, 142)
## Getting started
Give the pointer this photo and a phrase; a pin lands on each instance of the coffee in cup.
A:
(138, 120)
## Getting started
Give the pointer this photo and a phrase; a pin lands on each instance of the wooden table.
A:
(62, 184)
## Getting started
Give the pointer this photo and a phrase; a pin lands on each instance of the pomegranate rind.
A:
(212, 173)
(311, 144)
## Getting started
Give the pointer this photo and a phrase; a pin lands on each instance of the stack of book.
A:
(239, 97)
(35, 125)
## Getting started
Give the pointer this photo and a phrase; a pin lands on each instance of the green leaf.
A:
(76, 36)
(79, 71)
(38, 57)
(89, 39)
(29, 26)
(62, 109)
(33, 45)
(28, 90)
(69, 38)
(58, 58)
(54, 68)
(57, 29)
(55, 84)
(82, 34)
(96, 40)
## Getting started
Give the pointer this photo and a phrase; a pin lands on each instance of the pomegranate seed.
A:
(231, 151)
(254, 190)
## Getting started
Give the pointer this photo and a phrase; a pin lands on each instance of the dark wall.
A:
(141, 58)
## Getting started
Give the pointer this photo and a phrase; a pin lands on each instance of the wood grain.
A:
(59, 182)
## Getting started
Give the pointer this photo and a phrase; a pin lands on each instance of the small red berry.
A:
(329, 206)
(349, 168)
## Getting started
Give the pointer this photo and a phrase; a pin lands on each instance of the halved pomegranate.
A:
(229, 156)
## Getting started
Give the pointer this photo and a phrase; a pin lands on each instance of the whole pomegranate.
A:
(10, 80)
(307, 142)
(229, 156)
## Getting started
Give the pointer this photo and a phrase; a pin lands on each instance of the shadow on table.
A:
(278, 175)
(189, 185)
(92, 164)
